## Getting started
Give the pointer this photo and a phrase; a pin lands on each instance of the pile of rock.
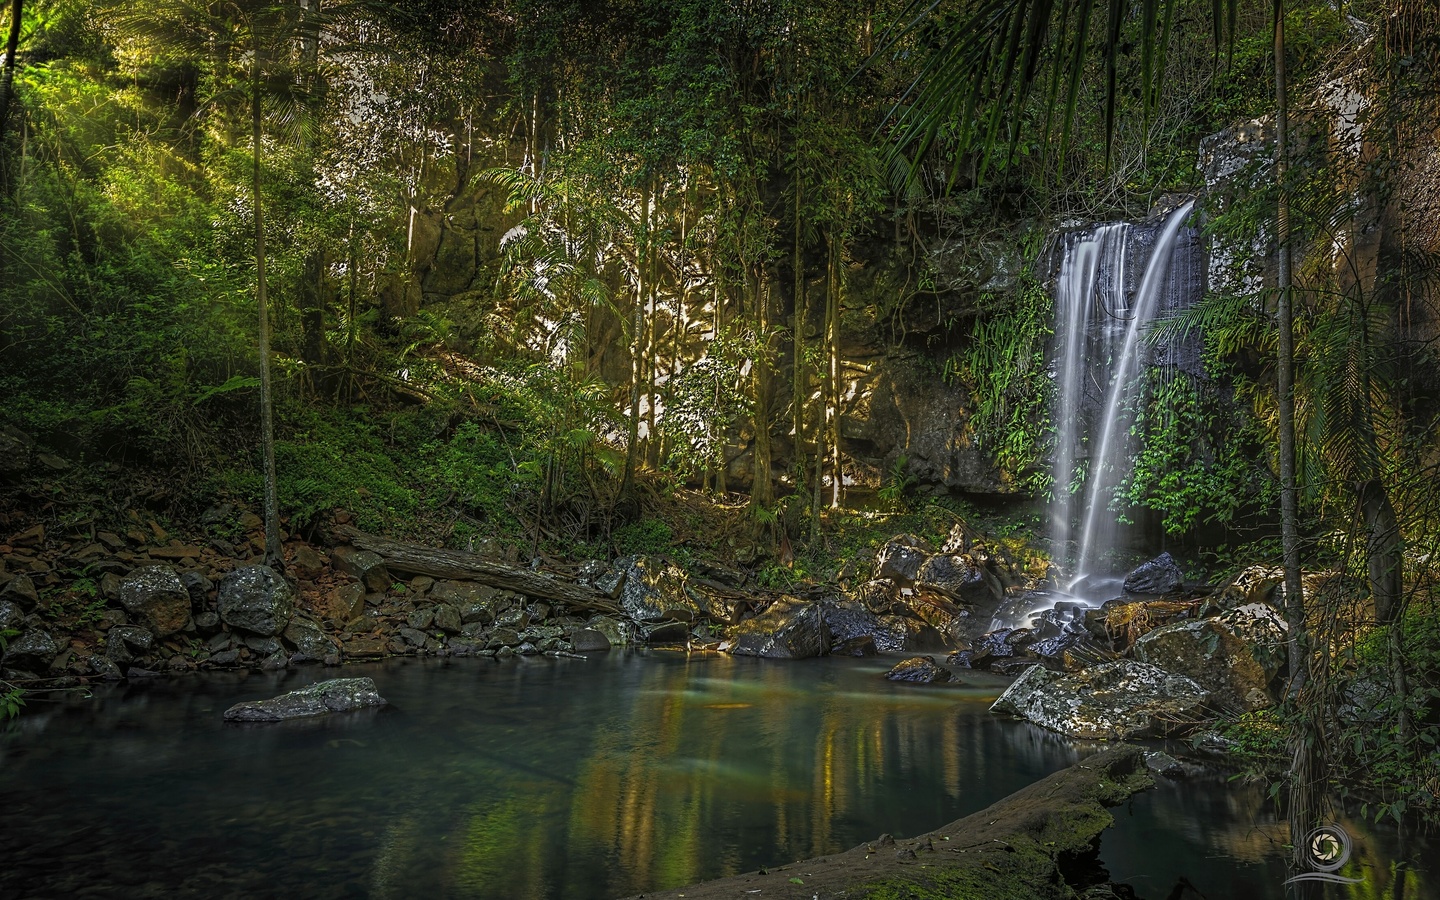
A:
(1147, 664)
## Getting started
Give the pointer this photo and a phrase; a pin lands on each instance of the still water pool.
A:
(584, 779)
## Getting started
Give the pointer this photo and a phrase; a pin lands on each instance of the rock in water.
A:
(1160, 575)
(256, 599)
(789, 629)
(157, 597)
(1114, 701)
(1235, 656)
(335, 695)
(920, 670)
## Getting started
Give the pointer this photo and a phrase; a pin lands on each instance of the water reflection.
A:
(545, 779)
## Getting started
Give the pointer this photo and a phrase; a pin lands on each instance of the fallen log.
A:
(419, 559)
(1037, 844)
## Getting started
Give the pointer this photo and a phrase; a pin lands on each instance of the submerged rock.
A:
(920, 670)
(1160, 575)
(1113, 701)
(789, 629)
(335, 695)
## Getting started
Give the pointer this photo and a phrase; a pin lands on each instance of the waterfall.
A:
(1099, 367)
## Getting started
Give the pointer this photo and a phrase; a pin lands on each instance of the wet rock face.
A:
(155, 596)
(1113, 701)
(920, 670)
(789, 629)
(1234, 656)
(256, 599)
(335, 695)
(1161, 575)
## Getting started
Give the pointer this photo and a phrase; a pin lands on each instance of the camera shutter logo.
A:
(1327, 849)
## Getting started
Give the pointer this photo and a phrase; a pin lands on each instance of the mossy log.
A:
(419, 559)
(1040, 843)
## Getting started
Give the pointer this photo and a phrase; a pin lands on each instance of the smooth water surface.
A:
(540, 778)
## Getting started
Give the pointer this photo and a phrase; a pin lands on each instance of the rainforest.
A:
(711, 448)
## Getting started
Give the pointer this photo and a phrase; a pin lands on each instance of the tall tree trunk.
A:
(762, 492)
(637, 348)
(798, 391)
(1306, 776)
(7, 77)
(273, 556)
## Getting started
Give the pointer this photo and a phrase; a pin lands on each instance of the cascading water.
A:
(1100, 356)
(1112, 459)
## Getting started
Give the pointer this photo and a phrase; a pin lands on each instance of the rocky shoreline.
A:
(1157, 660)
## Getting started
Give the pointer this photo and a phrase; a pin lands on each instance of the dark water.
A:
(541, 778)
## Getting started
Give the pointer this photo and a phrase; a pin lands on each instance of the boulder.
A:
(618, 632)
(900, 559)
(366, 567)
(653, 590)
(1118, 700)
(459, 593)
(789, 629)
(900, 634)
(197, 586)
(1161, 575)
(920, 670)
(335, 695)
(876, 595)
(309, 639)
(447, 619)
(156, 597)
(33, 651)
(940, 613)
(864, 645)
(960, 578)
(12, 617)
(848, 620)
(256, 599)
(665, 632)
(588, 640)
(1255, 584)
(21, 591)
(342, 604)
(307, 562)
(105, 669)
(1233, 656)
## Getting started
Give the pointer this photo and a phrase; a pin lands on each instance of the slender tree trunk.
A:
(351, 263)
(762, 490)
(7, 76)
(637, 348)
(1306, 775)
(798, 391)
(273, 556)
